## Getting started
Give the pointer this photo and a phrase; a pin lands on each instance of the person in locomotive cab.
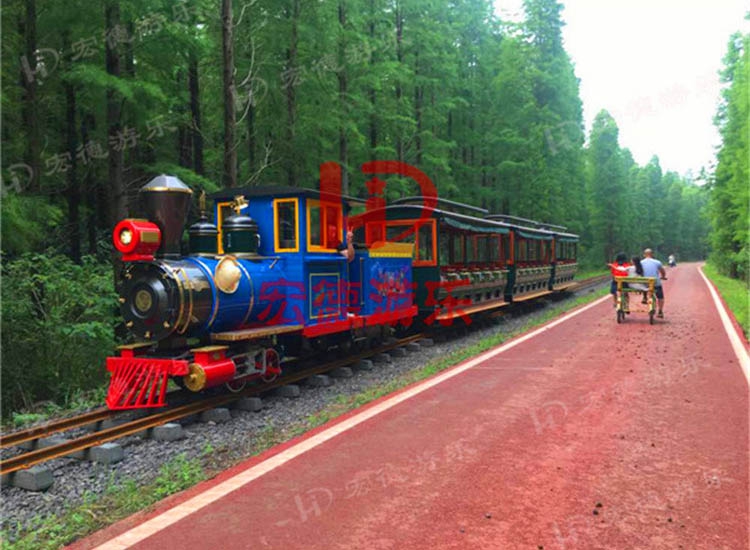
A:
(346, 249)
(653, 268)
(618, 269)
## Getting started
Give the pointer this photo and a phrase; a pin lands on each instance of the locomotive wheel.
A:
(236, 386)
(272, 361)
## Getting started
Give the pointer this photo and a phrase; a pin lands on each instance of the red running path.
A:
(589, 435)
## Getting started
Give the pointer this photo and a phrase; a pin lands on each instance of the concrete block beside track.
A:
(108, 453)
(426, 342)
(413, 347)
(319, 381)
(364, 364)
(110, 423)
(398, 352)
(252, 404)
(171, 431)
(342, 372)
(217, 415)
(53, 440)
(290, 390)
(36, 478)
(382, 358)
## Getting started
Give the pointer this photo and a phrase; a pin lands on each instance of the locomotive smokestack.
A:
(165, 200)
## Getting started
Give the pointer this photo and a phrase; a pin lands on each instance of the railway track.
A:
(38, 456)
(138, 425)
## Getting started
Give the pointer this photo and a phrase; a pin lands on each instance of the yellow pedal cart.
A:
(630, 285)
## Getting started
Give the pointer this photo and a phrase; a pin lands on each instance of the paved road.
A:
(588, 435)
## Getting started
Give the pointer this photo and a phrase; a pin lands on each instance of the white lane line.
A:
(739, 348)
(173, 515)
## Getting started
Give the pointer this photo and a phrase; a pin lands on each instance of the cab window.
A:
(287, 228)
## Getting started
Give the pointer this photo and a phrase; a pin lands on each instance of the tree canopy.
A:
(99, 98)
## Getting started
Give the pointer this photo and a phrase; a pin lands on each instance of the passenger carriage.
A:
(467, 261)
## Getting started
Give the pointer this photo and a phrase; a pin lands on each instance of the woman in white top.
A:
(636, 270)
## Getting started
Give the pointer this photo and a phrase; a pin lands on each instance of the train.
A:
(286, 271)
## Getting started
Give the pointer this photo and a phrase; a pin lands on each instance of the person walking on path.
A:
(653, 268)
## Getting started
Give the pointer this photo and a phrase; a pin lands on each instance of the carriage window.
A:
(471, 252)
(445, 248)
(287, 228)
(522, 250)
(533, 251)
(493, 242)
(423, 238)
(324, 225)
(482, 248)
(426, 243)
(458, 249)
(400, 234)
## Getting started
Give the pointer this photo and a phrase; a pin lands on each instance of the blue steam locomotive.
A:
(279, 274)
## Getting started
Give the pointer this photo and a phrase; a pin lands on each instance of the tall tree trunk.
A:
(91, 186)
(418, 98)
(291, 106)
(251, 141)
(373, 96)
(117, 199)
(29, 85)
(73, 191)
(129, 54)
(195, 113)
(230, 151)
(343, 142)
(184, 138)
(399, 89)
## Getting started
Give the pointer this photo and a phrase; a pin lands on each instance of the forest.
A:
(97, 98)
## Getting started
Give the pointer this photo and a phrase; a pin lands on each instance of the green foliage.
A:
(120, 499)
(28, 223)
(735, 294)
(176, 475)
(58, 320)
(730, 191)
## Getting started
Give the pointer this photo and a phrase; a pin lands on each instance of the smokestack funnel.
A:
(165, 200)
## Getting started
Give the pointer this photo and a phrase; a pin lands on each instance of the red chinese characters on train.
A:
(449, 307)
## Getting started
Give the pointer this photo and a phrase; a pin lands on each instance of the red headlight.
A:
(136, 239)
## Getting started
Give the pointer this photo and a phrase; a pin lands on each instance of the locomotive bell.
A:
(165, 201)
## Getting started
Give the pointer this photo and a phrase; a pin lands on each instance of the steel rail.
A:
(38, 456)
(55, 426)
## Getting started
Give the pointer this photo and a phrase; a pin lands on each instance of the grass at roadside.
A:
(735, 294)
(120, 499)
(125, 498)
(76, 402)
(587, 273)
